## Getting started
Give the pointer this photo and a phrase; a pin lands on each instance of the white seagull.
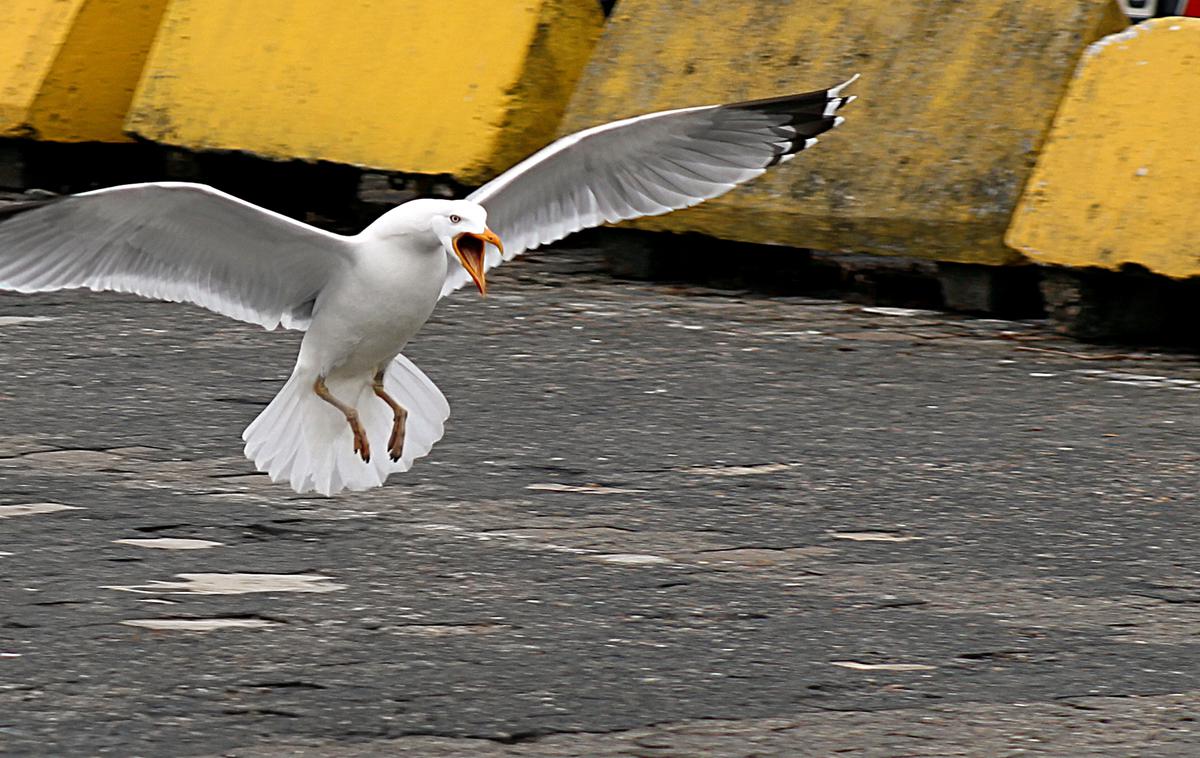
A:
(355, 410)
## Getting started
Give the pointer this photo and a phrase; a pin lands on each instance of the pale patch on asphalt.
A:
(633, 559)
(90, 460)
(234, 584)
(883, 310)
(240, 497)
(200, 625)
(448, 630)
(592, 489)
(14, 320)
(882, 666)
(136, 451)
(170, 543)
(873, 537)
(1152, 381)
(681, 325)
(751, 470)
(34, 509)
(14, 445)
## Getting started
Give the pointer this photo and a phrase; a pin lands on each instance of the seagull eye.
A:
(454, 218)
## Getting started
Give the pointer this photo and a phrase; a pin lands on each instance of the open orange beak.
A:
(470, 249)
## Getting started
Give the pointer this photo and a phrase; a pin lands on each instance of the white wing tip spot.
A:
(835, 103)
(838, 121)
(835, 91)
(808, 143)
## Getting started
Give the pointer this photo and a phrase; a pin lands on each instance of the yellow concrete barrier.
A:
(68, 68)
(464, 88)
(1118, 181)
(955, 99)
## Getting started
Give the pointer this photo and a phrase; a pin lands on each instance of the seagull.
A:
(354, 409)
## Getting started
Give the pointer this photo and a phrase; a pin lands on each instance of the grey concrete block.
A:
(12, 166)
(1010, 291)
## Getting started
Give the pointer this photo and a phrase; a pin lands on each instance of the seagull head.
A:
(458, 226)
(461, 227)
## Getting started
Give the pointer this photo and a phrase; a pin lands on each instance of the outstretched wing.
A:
(171, 241)
(646, 166)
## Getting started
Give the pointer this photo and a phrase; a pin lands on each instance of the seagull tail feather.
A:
(301, 439)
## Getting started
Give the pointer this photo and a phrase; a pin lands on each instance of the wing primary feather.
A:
(173, 241)
(724, 175)
(686, 197)
(689, 169)
(34, 276)
(648, 165)
(649, 205)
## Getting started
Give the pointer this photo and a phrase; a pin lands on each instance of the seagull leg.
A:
(399, 417)
(361, 446)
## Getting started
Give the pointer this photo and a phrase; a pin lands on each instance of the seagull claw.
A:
(396, 442)
(361, 446)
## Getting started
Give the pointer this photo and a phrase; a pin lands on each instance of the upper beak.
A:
(470, 248)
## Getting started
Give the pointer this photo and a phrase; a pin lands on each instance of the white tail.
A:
(301, 439)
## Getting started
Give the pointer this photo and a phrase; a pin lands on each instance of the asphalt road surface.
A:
(664, 521)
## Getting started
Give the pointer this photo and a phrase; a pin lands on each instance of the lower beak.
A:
(471, 250)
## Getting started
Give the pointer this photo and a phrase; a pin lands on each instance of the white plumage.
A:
(355, 410)
(302, 440)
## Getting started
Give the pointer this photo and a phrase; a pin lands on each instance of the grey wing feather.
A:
(646, 166)
(172, 241)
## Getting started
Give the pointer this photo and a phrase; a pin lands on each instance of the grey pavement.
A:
(664, 521)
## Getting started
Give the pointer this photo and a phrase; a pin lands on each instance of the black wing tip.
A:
(803, 103)
(808, 114)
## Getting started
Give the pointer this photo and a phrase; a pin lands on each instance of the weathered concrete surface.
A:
(465, 88)
(68, 68)
(665, 521)
(954, 101)
(1118, 180)
(1094, 727)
